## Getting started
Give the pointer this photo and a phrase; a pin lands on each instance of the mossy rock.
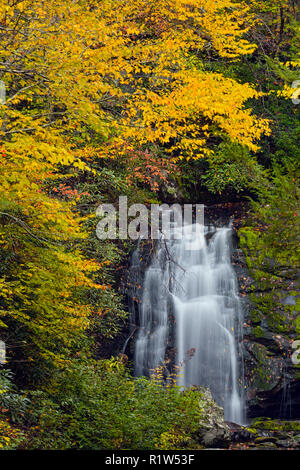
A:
(252, 431)
(257, 331)
(273, 321)
(261, 439)
(266, 368)
(268, 424)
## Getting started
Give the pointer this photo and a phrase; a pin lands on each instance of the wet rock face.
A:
(272, 382)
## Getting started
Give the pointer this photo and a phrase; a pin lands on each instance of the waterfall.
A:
(192, 282)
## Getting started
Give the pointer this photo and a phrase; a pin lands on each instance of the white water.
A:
(192, 279)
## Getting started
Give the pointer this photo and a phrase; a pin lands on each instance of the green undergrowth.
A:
(99, 405)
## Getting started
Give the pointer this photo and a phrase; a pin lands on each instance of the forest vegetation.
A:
(156, 100)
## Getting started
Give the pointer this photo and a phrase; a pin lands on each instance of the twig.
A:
(26, 228)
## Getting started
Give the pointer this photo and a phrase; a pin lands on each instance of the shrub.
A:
(100, 406)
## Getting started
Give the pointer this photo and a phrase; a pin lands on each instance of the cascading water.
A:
(192, 280)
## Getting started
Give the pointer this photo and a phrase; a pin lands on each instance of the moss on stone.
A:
(257, 331)
(263, 374)
(255, 316)
(268, 424)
